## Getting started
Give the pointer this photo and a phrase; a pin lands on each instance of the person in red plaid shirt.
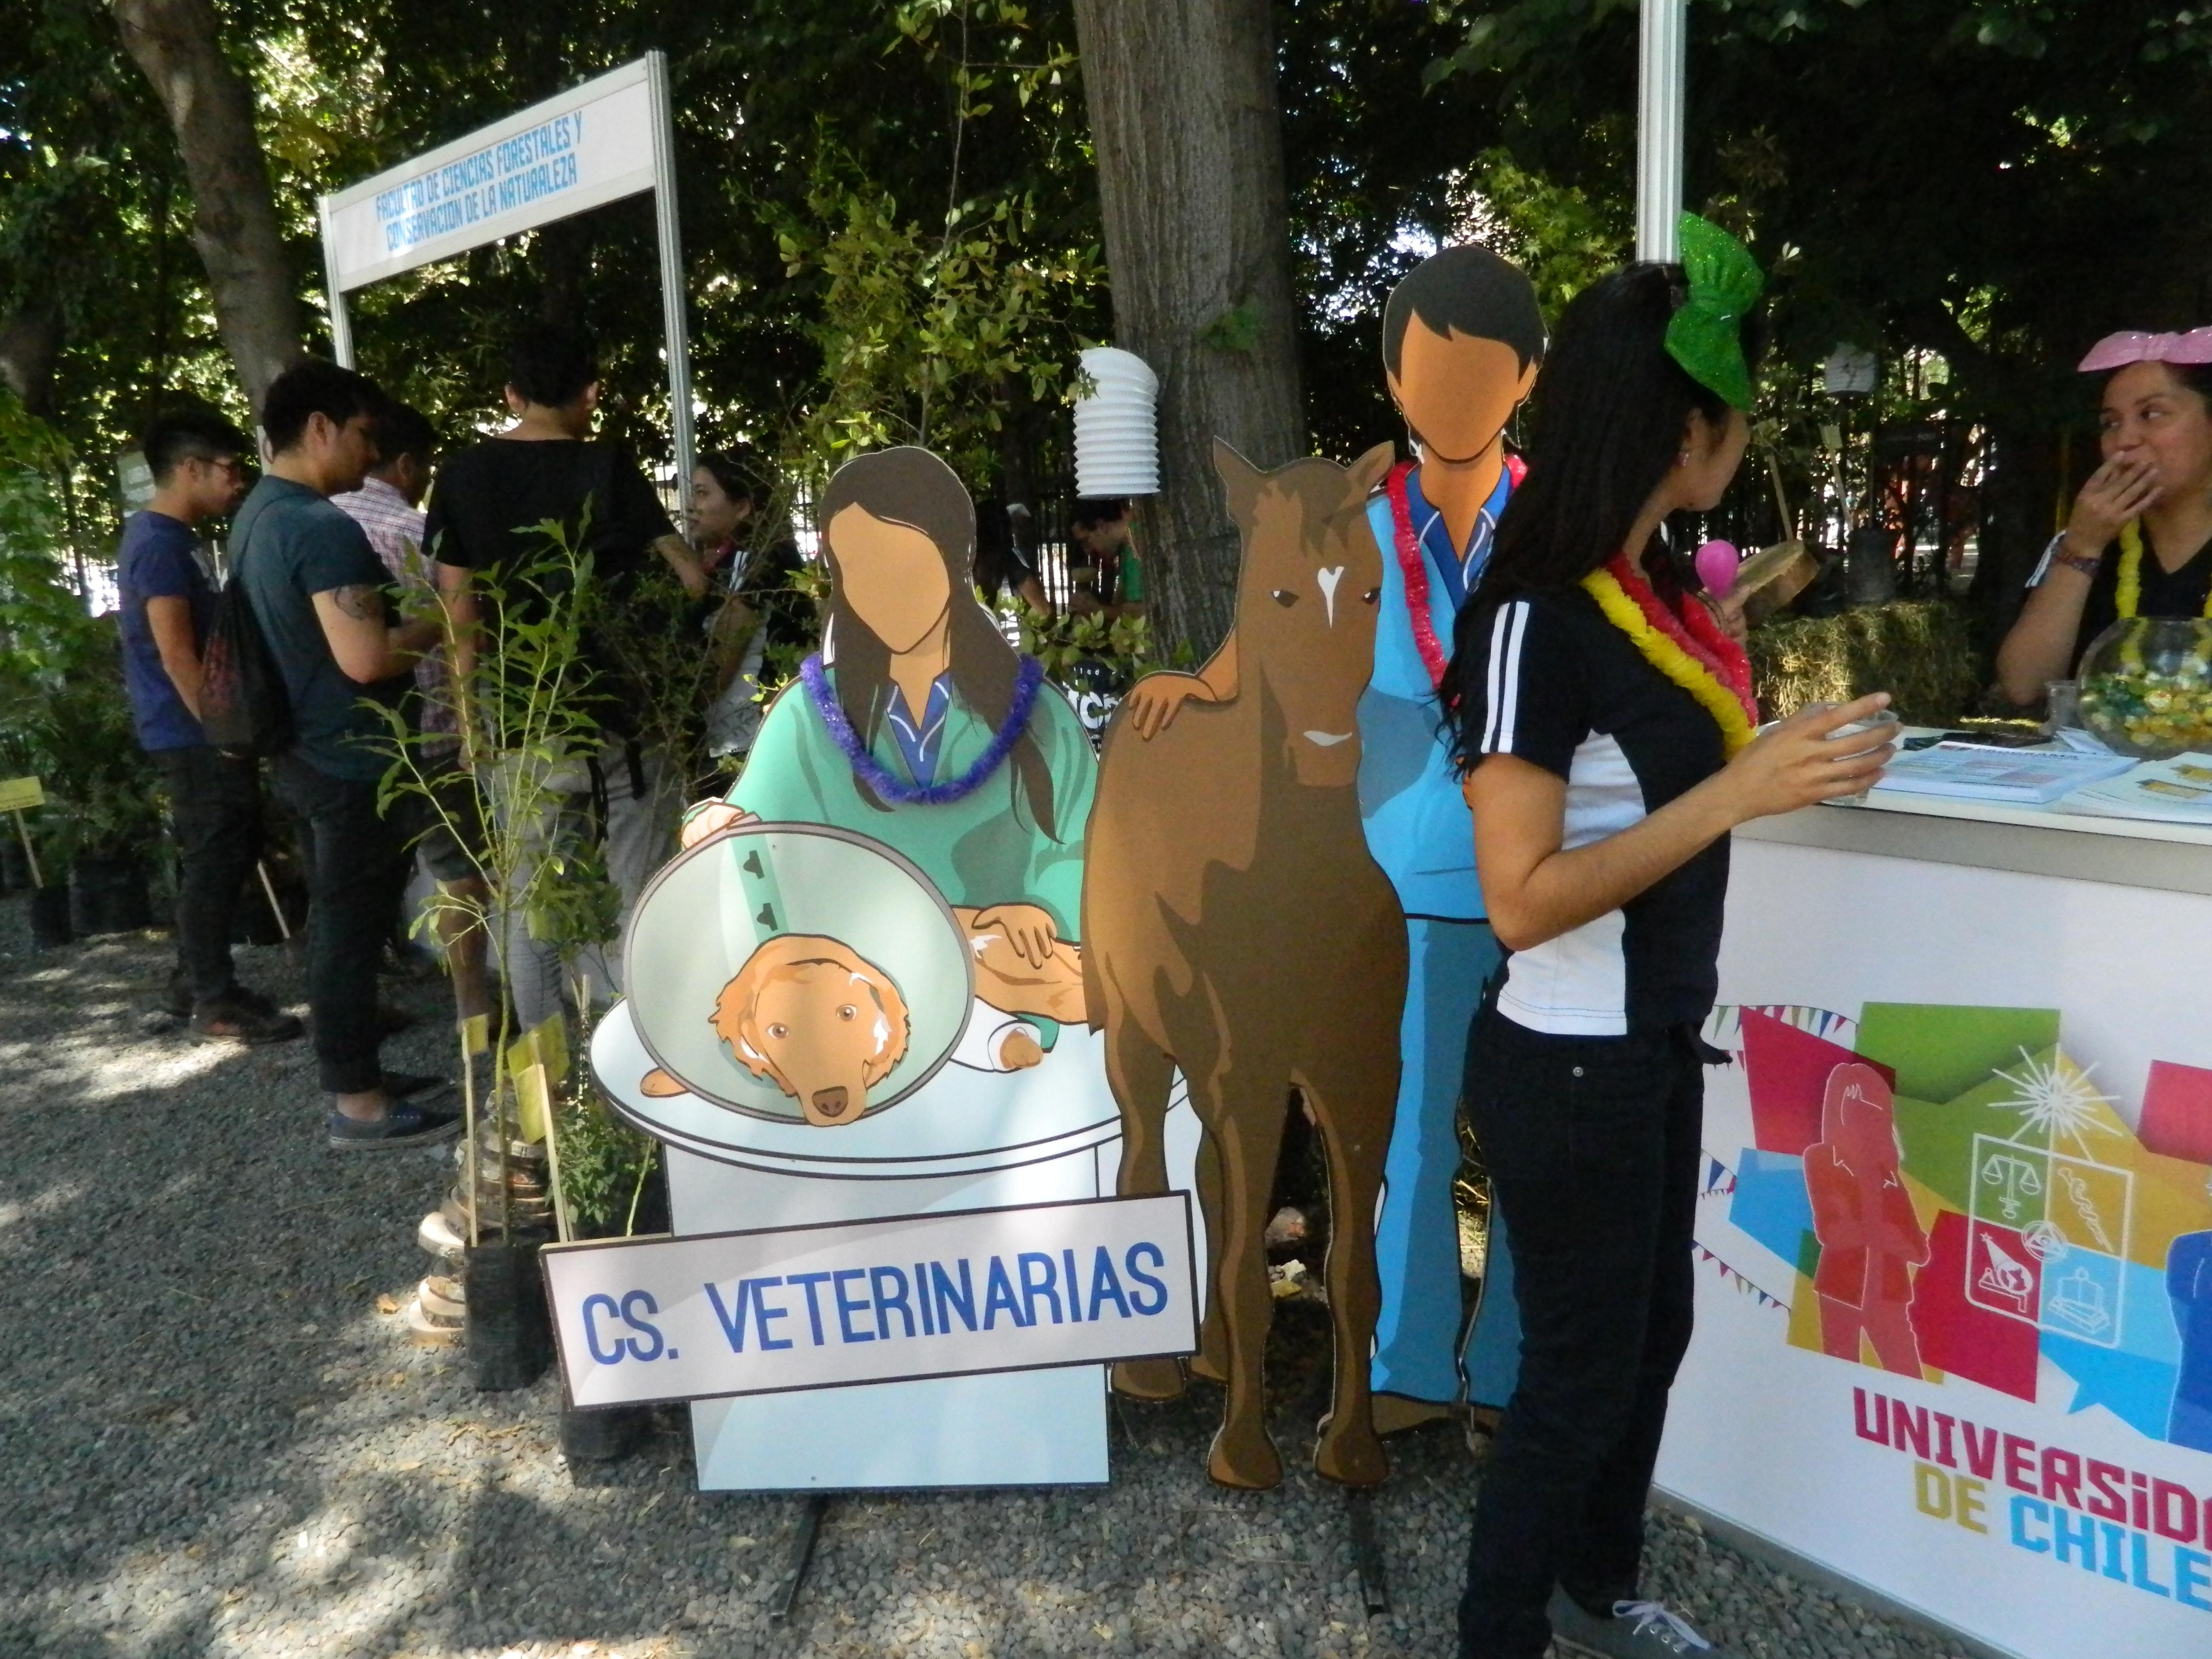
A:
(388, 508)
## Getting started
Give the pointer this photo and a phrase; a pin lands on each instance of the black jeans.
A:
(357, 863)
(1592, 1144)
(216, 816)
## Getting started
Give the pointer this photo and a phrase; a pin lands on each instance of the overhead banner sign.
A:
(594, 144)
(893, 1299)
(609, 138)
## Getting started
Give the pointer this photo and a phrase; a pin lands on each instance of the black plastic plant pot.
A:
(111, 895)
(510, 1337)
(604, 1434)
(50, 917)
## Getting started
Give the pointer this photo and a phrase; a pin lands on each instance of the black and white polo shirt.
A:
(1562, 687)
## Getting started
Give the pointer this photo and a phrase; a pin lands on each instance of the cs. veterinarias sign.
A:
(891, 1299)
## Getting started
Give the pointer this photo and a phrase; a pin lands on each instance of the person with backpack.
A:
(316, 590)
(197, 460)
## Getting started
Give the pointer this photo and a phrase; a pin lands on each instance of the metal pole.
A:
(1659, 129)
(673, 307)
(341, 324)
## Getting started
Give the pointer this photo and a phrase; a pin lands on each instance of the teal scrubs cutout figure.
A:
(1462, 339)
(1462, 336)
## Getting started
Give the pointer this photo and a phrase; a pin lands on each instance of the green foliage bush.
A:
(64, 718)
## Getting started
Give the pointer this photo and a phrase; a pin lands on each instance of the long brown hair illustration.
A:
(1237, 928)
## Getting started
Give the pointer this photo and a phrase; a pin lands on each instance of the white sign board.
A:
(591, 145)
(609, 138)
(1996, 1412)
(896, 1298)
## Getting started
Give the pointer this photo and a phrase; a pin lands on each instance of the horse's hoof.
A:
(1212, 1371)
(1352, 1455)
(1244, 1459)
(1148, 1379)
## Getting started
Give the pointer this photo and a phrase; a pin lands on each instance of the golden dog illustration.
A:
(820, 1020)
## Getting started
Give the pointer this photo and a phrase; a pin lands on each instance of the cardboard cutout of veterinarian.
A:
(1462, 339)
(860, 991)
(1236, 929)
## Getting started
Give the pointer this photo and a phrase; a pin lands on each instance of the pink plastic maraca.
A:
(1717, 564)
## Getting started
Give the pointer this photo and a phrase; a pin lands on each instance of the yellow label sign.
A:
(17, 793)
(534, 1102)
(546, 1044)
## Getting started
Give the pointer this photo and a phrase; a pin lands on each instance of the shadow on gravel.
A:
(212, 1444)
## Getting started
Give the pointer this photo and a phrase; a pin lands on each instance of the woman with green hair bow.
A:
(1605, 729)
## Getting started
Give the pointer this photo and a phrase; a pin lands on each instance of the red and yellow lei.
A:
(1688, 648)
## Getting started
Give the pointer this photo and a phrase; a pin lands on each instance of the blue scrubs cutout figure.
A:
(1462, 336)
(2189, 1284)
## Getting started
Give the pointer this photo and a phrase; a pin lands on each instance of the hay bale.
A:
(1922, 652)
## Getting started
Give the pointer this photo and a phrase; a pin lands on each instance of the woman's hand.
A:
(710, 819)
(1728, 614)
(1027, 928)
(1796, 762)
(2115, 492)
(1153, 699)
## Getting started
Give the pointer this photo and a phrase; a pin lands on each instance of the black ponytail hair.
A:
(1607, 415)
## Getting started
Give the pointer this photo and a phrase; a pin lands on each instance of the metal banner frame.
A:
(1662, 65)
(650, 72)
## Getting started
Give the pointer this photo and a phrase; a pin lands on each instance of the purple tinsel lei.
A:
(887, 784)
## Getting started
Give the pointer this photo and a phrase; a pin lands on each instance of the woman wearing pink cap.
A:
(2139, 540)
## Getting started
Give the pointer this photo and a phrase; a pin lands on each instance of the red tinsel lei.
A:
(1415, 569)
(1692, 628)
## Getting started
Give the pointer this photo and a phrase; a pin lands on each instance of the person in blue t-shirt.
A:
(1462, 336)
(318, 591)
(198, 460)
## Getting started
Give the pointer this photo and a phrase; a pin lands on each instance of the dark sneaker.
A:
(238, 1020)
(177, 995)
(404, 1124)
(409, 1085)
(1636, 1630)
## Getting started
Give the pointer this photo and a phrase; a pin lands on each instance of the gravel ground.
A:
(212, 1442)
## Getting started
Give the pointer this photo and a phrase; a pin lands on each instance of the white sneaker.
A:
(1638, 1630)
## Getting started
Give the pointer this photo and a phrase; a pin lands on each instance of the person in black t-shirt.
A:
(484, 513)
(1595, 706)
(2139, 539)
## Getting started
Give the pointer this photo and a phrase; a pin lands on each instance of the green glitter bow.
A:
(1706, 335)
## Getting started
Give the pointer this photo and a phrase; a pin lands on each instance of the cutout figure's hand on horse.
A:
(1153, 701)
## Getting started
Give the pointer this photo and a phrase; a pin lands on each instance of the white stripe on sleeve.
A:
(1488, 746)
(1507, 666)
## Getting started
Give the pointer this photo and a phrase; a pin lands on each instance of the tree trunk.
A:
(177, 44)
(1185, 120)
(30, 346)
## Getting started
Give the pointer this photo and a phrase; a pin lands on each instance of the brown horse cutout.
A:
(1234, 927)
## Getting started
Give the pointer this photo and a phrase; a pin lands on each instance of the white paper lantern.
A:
(1117, 442)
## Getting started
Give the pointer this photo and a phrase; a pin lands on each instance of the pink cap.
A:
(2132, 346)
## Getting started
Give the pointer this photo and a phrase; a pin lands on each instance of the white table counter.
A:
(2029, 1460)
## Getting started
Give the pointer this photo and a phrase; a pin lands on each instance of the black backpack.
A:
(244, 709)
